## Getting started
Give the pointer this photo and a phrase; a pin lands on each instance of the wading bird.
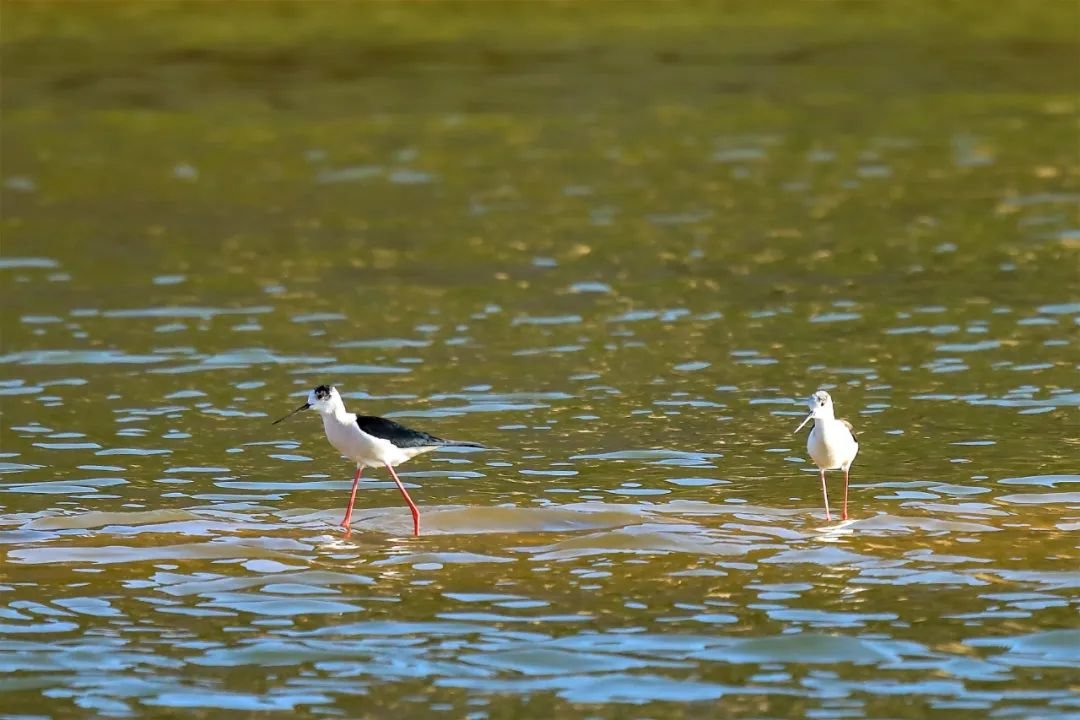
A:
(371, 442)
(832, 443)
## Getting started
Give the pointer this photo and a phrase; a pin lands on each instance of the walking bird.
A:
(371, 441)
(832, 443)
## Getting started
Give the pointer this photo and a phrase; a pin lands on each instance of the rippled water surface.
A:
(620, 249)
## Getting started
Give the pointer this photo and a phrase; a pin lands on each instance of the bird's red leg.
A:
(412, 506)
(846, 471)
(825, 494)
(352, 499)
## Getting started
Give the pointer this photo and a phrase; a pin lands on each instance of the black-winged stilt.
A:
(370, 442)
(832, 443)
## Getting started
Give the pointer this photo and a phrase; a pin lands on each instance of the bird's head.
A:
(323, 398)
(820, 404)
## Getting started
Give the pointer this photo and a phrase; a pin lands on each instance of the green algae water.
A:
(620, 243)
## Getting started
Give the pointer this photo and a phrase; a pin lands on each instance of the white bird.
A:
(832, 443)
(371, 441)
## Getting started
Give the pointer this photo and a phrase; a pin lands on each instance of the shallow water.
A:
(621, 258)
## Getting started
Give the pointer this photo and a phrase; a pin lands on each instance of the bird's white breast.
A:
(831, 445)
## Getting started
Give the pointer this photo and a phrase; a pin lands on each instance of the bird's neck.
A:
(338, 413)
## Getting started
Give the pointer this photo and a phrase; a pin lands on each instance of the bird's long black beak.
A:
(305, 406)
(801, 425)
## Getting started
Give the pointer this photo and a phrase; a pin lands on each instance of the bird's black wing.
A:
(396, 433)
(402, 436)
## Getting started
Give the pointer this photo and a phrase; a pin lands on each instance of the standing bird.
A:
(370, 442)
(832, 443)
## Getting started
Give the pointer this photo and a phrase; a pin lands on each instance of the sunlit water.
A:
(628, 303)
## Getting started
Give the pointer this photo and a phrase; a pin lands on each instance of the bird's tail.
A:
(464, 443)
